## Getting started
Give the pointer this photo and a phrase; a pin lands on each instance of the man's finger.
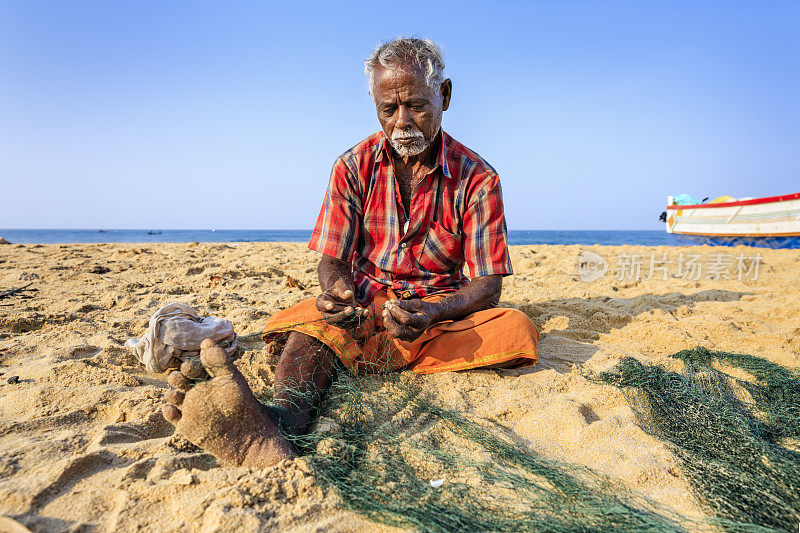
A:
(398, 331)
(340, 316)
(327, 304)
(414, 320)
(399, 315)
(341, 295)
(342, 291)
(335, 297)
(330, 308)
(391, 324)
(411, 306)
(347, 294)
(349, 318)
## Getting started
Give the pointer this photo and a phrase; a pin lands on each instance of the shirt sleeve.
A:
(339, 221)
(485, 233)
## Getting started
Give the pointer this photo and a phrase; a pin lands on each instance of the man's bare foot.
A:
(221, 415)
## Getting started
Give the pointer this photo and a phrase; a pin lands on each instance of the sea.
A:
(583, 237)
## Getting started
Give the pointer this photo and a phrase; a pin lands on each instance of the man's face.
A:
(409, 111)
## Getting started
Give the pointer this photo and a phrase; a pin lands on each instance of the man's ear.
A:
(446, 90)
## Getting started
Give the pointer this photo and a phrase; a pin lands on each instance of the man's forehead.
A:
(406, 79)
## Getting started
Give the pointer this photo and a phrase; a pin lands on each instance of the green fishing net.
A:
(396, 458)
(732, 421)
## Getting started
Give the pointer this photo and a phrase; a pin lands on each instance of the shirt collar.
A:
(384, 149)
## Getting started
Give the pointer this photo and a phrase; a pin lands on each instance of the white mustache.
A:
(400, 135)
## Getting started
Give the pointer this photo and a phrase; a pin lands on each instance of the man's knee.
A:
(516, 320)
(302, 347)
(298, 341)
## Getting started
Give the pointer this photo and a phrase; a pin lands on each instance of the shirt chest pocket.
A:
(442, 251)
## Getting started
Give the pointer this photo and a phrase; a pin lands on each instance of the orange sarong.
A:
(499, 337)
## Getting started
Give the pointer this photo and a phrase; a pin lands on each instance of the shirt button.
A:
(403, 245)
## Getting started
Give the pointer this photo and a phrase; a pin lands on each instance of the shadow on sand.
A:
(571, 325)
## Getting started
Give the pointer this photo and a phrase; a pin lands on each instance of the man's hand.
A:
(339, 307)
(408, 319)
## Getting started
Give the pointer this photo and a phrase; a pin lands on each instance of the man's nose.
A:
(403, 118)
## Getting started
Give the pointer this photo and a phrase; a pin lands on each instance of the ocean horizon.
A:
(516, 237)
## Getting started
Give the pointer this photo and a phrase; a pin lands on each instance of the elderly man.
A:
(406, 209)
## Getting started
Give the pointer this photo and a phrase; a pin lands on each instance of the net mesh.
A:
(392, 455)
(733, 422)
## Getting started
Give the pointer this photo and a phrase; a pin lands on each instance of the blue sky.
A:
(146, 114)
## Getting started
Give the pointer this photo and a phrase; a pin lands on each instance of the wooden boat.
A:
(773, 216)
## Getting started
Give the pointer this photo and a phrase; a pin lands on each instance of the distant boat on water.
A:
(775, 219)
(154, 233)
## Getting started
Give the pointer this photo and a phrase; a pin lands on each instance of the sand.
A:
(83, 443)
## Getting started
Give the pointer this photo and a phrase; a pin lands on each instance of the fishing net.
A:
(733, 422)
(393, 455)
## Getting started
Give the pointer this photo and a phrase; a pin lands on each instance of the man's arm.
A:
(337, 300)
(408, 319)
(335, 236)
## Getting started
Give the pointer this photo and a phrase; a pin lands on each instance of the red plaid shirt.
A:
(456, 218)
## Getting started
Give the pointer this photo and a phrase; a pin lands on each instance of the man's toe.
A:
(174, 397)
(215, 360)
(171, 413)
(193, 369)
(179, 381)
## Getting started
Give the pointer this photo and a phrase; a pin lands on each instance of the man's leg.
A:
(305, 372)
(222, 416)
(495, 338)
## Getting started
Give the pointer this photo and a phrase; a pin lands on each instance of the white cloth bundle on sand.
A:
(176, 331)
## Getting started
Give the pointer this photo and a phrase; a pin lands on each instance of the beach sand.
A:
(83, 442)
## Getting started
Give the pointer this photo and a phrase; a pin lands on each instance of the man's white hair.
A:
(404, 53)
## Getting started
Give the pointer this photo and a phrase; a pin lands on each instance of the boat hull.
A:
(772, 217)
(760, 242)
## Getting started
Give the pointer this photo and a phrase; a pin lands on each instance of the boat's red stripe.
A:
(754, 201)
